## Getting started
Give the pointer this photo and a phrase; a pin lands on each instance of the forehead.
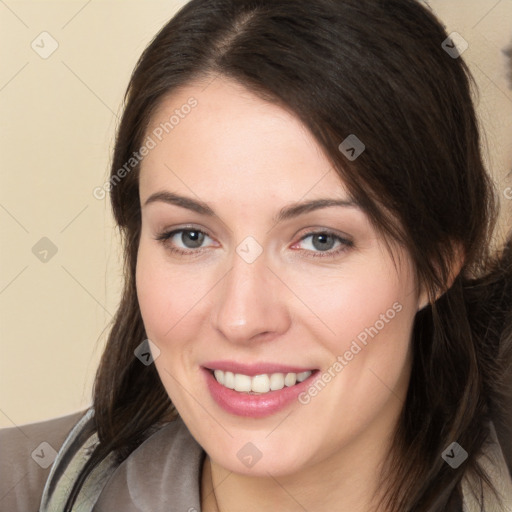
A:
(232, 141)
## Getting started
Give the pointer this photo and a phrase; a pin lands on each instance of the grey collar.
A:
(171, 453)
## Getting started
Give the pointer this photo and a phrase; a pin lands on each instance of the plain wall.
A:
(58, 118)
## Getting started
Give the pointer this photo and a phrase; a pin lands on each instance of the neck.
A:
(347, 481)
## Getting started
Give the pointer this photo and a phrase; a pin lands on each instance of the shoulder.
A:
(27, 453)
(492, 462)
(163, 471)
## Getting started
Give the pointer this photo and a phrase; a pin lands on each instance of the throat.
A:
(208, 499)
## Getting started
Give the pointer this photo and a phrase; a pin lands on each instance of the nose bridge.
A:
(250, 301)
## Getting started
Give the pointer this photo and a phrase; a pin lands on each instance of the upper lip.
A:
(252, 369)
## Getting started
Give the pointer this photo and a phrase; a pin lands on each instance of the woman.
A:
(311, 318)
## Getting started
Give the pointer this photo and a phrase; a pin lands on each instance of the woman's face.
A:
(236, 273)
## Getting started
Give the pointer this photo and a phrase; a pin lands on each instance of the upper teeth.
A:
(259, 383)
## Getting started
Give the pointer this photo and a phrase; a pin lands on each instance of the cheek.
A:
(166, 295)
(360, 301)
(166, 299)
(153, 294)
(369, 311)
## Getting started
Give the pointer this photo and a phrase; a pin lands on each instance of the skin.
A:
(247, 159)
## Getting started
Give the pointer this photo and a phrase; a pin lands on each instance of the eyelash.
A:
(345, 243)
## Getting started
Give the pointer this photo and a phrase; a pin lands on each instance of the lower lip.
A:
(254, 406)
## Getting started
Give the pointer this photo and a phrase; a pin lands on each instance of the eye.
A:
(189, 241)
(324, 244)
(183, 241)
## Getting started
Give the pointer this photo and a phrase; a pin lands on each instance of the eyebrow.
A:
(286, 213)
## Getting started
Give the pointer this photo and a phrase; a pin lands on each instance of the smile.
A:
(259, 384)
(256, 390)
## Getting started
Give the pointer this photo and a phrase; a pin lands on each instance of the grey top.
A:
(162, 474)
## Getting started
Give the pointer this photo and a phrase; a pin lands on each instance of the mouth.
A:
(256, 390)
(259, 384)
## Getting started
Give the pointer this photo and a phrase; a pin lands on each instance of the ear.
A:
(457, 264)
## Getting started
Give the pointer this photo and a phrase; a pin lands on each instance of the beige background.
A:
(58, 118)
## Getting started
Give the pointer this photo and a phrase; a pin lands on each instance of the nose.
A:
(251, 303)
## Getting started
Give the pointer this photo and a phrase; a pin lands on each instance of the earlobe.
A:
(456, 267)
(459, 258)
(423, 300)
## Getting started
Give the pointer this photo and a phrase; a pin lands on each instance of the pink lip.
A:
(253, 369)
(254, 406)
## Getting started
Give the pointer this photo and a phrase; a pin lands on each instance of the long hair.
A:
(380, 71)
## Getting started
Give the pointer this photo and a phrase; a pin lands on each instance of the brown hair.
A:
(377, 70)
